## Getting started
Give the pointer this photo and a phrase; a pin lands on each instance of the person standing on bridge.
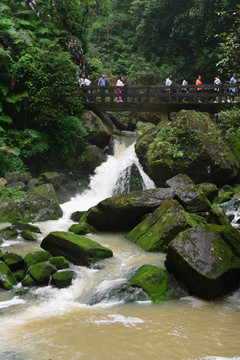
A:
(120, 91)
(103, 80)
(102, 83)
(233, 90)
(168, 83)
(199, 89)
(217, 82)
(185, 89)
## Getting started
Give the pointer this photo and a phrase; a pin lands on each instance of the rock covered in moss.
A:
(206, 259)
(93, 157)
(129, 180)
(51, 177)
(7, 279)
(209, 189)
(39, 204)
(36, 257)
(156, 231)
(63, 279)
(59, 262)
(192, 198)
(191, 143)
(25, 226)
(8, 233)
(28, 235)
(76, 216)
(28, 281)
(41, 272)
(13, 261)
(82, 228)
(123, 212)
(154, 281)
(76, 248)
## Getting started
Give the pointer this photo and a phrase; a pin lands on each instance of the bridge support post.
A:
(213, 117)
(165, 116)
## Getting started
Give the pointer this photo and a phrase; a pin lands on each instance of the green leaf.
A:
(5, 119)
(13, 98)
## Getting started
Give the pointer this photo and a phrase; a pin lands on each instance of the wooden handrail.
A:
(151, 94)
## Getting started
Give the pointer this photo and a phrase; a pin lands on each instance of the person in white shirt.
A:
(168, 83)
(217, 82)
(120, 91)
(185, 89)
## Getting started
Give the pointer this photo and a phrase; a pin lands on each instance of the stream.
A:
(91, 321)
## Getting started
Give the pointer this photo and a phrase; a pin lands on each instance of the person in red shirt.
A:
(199, 89)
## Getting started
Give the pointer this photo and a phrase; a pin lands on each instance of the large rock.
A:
(7, 279)
(206, 259)
(123, 212)
(52, 178)
(63, 279)
(39, 204)
(14, 261)
(93, 157)
(42, 272)
(189, 195)
(156, 231)
(36, 257)
(8, 233)
(76, 248)
(191, 144)
(154, 281)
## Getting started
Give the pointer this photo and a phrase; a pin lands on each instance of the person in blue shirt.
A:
(233, 90)
(102, 81)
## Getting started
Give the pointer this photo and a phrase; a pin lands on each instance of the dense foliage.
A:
(150, 39)
(39, 116)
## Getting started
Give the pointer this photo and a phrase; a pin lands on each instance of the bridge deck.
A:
(156, 98)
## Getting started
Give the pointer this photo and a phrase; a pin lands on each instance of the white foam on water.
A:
(12, 302)
(129, 321)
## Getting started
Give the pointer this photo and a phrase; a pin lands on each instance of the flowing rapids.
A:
(91, 321)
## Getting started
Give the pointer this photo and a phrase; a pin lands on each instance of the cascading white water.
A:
(103, 181)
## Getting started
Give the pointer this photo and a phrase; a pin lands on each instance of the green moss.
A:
(7, 279)
(154, 281)
(41, 272)
(82, 228)
(25, 226)
(59, 262)
(8, 194)
(36, 257)
(28, 235)
(224, 197)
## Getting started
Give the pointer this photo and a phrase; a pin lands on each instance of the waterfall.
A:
(105, 178)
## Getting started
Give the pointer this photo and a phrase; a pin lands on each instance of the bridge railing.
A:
(156, 94)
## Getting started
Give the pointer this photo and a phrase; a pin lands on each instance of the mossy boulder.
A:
(7, 279)
(192, 144)
(156, 231)
(28, 235)
(154, 281)
(217, 215)
(39, 204)
(25, 226)
(41, 272)
(8, 233)
(209, 189)
(59, 262)
(93, 157)
(82, 228)
(206, 259)
(36, 257)
(63, 279)
(188, 194)
(123, 212)
(52, 178)
(19, 275)
(28, 281)
(13, 261)
(76, 248)
(76, 216)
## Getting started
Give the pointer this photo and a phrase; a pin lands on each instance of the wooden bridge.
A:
(163, 99)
